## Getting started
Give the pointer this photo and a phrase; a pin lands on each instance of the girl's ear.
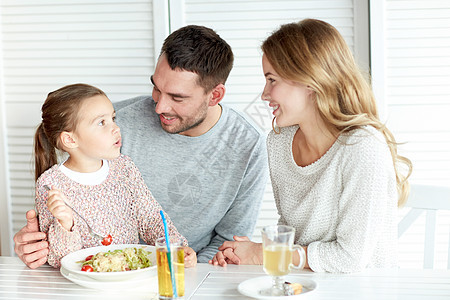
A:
(67, 140)
(217, 94)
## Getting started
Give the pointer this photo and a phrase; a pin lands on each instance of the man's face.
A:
(181, 103)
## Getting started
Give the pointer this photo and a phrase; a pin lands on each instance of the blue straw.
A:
(172, 275)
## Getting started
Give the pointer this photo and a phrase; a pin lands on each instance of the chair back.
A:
(426, 199)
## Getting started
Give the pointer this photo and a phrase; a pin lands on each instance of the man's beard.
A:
(187, 124)
(183, 127)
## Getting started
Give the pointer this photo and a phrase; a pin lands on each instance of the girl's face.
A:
(291, 101)
(97, 134)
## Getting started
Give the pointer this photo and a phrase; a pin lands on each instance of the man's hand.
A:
(240, 251)
(29, 244)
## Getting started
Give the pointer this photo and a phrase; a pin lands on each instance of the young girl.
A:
(334, 165)
(103, 186)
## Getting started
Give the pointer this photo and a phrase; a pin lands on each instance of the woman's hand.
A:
(221, 258)
(59, 209)
(240, 251)
(190, 257)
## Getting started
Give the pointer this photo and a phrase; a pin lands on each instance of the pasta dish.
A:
(117, 260)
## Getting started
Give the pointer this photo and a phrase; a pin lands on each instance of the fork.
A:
(92, 232)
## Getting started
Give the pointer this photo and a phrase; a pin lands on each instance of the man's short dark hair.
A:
(200, 50)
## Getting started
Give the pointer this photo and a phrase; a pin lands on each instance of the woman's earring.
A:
(275, 127)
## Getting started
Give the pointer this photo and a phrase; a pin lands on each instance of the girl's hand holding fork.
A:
(59, 209)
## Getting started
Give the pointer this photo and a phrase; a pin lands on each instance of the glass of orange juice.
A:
(165, 289)
(278, 248)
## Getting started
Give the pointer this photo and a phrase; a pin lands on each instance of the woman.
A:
(334, 166)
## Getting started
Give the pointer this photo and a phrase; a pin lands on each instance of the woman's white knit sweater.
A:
(344, 205)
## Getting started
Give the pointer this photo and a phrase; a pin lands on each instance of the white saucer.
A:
(252, 287)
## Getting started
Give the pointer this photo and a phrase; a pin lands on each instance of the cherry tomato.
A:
(89, 257)
(87, 268)
(107, 240)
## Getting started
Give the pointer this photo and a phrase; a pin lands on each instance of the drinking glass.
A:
(278, 248)
(164, 277)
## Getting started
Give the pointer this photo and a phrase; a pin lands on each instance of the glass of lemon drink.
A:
(176, 257)
(278, 249)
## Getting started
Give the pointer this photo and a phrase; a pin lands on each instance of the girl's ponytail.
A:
(44, 152)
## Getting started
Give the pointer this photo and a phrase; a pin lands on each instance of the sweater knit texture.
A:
(343, 206)
(122, 206)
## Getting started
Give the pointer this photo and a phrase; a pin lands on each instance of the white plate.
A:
(252, 287)
(139, 283)
(71, 264)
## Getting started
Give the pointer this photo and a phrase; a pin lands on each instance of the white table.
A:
(208, 282)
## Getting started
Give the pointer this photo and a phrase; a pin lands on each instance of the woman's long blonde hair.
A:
(314, 53)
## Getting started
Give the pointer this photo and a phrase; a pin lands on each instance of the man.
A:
(204, 163)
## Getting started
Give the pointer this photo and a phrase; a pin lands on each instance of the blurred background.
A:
(403, 46)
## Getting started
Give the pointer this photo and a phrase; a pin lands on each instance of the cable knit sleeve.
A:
(61, 242)
(365, 203)
(147, 210)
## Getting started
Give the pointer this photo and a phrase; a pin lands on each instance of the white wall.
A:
(411, 70)
(50, 43)
(113, 44)
(6, 225)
